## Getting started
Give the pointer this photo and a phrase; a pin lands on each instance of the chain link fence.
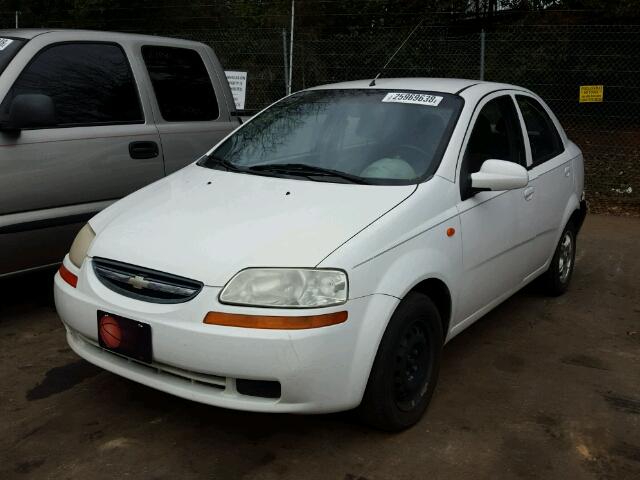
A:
(553, 61)
(260, 52)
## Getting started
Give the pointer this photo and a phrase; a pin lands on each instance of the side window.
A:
(181, 83)
(495, 135)
(544, 139)
(88, 84)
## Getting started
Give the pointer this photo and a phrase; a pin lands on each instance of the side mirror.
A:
(500, 175)
(30, 111)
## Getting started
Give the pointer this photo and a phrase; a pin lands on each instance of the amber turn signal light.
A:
(275, 322)
(68, 277)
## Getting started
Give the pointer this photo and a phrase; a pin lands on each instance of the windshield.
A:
(8, 49)
(366, 136)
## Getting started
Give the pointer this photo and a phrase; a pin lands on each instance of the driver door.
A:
(101, 145)
(491, 222)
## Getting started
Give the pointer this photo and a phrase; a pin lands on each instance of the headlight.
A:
(286, 288)
(80, 245)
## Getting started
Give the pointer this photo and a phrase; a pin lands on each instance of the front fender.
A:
(398, 271)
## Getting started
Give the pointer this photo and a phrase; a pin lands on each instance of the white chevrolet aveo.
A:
(319, 257)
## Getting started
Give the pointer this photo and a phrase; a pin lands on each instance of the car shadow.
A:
(25, 291)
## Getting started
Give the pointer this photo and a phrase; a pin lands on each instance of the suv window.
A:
(181, 83)
(89, 84)
(495, 135)
(544, 139)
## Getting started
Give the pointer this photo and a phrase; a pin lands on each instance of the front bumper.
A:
(319, 370)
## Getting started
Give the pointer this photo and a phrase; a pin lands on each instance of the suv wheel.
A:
(405, 370)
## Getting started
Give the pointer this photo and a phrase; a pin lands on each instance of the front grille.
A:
(145, 284)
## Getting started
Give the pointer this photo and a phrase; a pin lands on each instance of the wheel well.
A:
(578, 216)
(439, 294)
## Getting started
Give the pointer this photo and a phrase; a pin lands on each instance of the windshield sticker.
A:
(415, 98)
(4, 43)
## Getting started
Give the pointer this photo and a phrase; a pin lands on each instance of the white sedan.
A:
(319, 257)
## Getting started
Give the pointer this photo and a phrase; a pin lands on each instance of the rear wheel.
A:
(405, 370)
(556, 279)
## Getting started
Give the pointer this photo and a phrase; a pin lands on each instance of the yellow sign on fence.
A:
(591, 93)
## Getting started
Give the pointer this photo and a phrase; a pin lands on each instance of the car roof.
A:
(30, 33)
(444, 85)
(24, 33)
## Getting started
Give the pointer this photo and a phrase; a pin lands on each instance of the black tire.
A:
(405, 370)
(556, 279)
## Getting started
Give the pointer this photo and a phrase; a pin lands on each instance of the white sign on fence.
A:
(238, 84)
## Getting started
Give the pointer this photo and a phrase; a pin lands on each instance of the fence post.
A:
(482, 54)
(17, 13)
(293, 4)
(284, 57)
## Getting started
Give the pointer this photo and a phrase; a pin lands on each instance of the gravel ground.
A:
(539, 388)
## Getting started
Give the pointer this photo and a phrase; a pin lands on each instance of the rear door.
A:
(191, 112)
(100, 147)
(550, 176)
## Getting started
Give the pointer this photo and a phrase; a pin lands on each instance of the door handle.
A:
(528, 193)
(143, 150)
(567, 171)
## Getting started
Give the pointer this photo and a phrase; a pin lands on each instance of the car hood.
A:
(208, 224)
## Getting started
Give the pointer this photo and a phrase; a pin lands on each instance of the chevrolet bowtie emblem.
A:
(138, 282)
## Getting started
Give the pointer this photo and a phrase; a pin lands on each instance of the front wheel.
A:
(556, 279)
(405, 370)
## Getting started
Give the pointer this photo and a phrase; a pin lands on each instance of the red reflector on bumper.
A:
(67, 276)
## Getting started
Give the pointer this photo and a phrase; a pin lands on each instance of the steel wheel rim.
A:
(565, 259)
(412, 366)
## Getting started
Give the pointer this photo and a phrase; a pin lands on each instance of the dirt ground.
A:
(539, 388)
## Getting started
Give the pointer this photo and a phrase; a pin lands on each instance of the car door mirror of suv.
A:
(30, 111)
(499, 175)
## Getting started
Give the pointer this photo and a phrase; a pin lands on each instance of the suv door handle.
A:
(143, 150)
(567, 171)
(528, 193)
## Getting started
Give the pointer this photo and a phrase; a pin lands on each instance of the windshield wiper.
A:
(226, 164)
(308, 171)
(231, 167)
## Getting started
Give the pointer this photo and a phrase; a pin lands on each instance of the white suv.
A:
(319, 257)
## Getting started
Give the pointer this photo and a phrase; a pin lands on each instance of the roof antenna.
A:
(373, 82)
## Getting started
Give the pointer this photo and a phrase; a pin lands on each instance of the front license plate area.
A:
(125, 336)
